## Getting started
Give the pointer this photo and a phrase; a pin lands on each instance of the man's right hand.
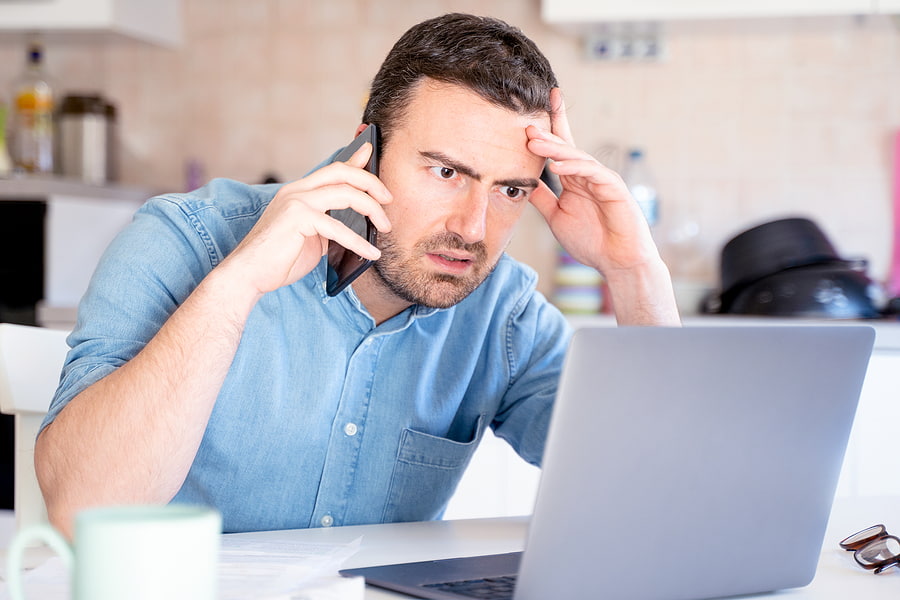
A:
(292, 235)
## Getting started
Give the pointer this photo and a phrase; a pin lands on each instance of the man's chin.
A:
(432, 290)
(444, 294)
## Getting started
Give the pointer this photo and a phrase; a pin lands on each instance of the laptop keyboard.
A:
(490, 588)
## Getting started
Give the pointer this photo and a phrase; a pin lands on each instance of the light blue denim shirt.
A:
(324, 418)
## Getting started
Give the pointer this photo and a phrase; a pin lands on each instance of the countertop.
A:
(887, 331)
(44, 187)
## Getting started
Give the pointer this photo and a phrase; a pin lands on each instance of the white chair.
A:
(31, 360)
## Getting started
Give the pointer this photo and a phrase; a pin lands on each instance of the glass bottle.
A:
(31, 117)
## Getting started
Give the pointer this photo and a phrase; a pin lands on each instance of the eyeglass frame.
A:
(879, 535)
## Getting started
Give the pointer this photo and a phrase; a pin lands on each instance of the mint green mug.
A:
(136, 552)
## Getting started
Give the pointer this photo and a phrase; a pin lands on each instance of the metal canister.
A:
(86, 137)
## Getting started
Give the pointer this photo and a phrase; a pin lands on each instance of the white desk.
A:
(838, 577)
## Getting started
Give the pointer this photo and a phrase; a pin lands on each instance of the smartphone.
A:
(345, 265)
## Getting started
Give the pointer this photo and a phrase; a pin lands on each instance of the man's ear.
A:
(360, 129)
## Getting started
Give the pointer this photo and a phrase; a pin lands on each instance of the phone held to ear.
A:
(345, 265)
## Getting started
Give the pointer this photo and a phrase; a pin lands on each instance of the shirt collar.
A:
(316, 279)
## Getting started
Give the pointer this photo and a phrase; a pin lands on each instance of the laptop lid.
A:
(693, 463)
(681, 463)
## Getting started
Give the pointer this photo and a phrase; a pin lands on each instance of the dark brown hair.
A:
(486, 55)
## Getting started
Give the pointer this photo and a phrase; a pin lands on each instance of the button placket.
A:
(343, 452)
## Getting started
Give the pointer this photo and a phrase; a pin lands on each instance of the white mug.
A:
(135, 552)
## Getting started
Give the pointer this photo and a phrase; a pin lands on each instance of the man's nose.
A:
(469, 217)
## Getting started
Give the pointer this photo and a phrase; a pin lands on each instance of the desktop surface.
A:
(837, 577)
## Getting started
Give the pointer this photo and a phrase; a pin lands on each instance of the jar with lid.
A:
(86, 138)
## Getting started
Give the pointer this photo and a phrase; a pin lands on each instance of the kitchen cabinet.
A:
(887, 6)
(78, 230)
(869, 468)
(597, 11)
(80, 222)
(499, 483)
(157, 22)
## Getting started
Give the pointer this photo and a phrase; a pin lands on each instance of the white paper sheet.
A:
(282, 569)
(276, 570)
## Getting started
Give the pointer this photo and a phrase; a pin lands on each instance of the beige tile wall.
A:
(743, 122)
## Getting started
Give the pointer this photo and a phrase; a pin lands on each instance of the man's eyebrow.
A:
(457, 166)
(526, 183)
(468, 171)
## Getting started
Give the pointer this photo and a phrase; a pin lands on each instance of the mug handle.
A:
(23, 539)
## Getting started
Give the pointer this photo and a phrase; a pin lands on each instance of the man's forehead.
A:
(468, 130)
(428, 89)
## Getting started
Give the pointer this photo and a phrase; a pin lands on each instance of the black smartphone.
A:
(345, 265)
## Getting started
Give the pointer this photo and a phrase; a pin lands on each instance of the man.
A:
(210, 366)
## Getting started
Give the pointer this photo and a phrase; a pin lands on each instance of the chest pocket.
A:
(426, 474)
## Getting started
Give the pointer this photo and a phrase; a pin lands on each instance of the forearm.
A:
(643, 295)
(132, 436)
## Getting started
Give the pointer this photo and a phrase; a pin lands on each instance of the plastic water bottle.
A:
(640, 183)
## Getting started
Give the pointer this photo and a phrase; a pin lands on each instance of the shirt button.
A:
(351, 428)
(327, 521)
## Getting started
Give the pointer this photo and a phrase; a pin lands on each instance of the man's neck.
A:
(379, 301)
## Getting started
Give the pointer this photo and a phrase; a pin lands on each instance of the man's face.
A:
(460, 174)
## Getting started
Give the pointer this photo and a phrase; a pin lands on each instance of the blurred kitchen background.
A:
(742, 118)
(744, 112)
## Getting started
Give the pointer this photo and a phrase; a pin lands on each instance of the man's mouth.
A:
(451, 262)
(453, 258)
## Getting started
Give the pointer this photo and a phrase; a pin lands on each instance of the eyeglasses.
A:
(874, 549)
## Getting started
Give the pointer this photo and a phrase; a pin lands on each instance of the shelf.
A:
(42, 188)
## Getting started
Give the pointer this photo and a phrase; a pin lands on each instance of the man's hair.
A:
(483, 54)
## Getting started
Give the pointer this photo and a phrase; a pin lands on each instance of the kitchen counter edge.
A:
(42, 188)
(887, 331)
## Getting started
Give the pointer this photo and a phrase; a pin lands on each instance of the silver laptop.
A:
(681, 464)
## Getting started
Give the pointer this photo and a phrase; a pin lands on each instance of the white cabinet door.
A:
(78, 230)
(870, 464)
(156, 21)
(887, 6)
(585, 11)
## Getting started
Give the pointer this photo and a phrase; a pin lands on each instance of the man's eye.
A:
(444, 172)
(513, 192)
